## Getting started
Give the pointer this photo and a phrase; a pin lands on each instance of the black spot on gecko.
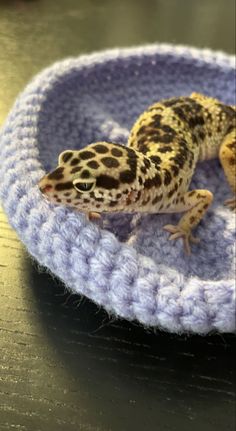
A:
(127, 176)
(101, 149)
(93, 164)
(179, 159)
(171, 192)
(230, 128)
(156, 121)
(131, 153)
(196, 121)
(138, 196)
(76, 169)
(67, 156)
(166, 139)
(232, 145)
(145, 201)
(172, 102)
(190, 163)
(175, 170)
(141, 131)
(165, 149)
(107, 182)
(178, 111)
(143, 148)
(143, 169)
(140, 179)
(167, 177)
(154, 137)
(158, 198)
(132, 162)
(85, 155)
(153, 182)
(74, 161)
(64, 186)
(183, 144)
(85, 174)
(147, 163)
(116, 152)
(201, 135)
(168, 129)
(156, 159)
(209, 116)
(110, 162)
(227, 110)
(57, 174)
(113, 203)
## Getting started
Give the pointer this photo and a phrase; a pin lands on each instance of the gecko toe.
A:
(178, 232)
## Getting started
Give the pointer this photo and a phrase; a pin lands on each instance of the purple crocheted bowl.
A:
(128, 266)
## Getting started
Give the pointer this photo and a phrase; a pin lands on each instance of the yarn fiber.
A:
(128, 266)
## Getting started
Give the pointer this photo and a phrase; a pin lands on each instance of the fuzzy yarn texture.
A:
(128, 266)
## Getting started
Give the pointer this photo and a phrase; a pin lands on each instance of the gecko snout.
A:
(44, 186)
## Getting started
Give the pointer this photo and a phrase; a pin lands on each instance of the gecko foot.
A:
(178, 232)
(231, 204)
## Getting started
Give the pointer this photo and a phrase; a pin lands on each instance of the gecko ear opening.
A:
(65, 156)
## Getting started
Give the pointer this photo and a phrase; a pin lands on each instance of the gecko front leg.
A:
(195, 203)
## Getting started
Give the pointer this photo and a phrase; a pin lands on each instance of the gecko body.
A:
(153, 172)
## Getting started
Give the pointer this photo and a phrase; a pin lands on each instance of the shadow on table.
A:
(116, 359)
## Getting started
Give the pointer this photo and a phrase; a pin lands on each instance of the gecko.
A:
(152, 173)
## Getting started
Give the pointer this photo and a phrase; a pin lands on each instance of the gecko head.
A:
(101, 177)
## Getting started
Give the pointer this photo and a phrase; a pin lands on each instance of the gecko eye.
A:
(83, 187)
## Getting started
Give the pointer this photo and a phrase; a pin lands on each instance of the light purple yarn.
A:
(128, 267)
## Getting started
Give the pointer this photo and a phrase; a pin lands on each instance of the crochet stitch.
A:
(128, 266)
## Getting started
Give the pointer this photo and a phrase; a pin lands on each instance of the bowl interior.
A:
(88, 105)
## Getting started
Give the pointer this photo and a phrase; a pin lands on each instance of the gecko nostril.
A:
(46, 188)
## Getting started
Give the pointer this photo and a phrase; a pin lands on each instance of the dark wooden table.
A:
(64, 364)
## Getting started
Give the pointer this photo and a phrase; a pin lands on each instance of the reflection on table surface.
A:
(33, 34)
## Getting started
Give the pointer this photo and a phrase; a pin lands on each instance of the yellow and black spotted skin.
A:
(153, 172)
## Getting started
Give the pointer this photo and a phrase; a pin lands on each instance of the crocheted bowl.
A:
(128, 266)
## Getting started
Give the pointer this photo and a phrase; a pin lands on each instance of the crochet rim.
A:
(136, 276)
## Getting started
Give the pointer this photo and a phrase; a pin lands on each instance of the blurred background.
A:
(35, 33)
